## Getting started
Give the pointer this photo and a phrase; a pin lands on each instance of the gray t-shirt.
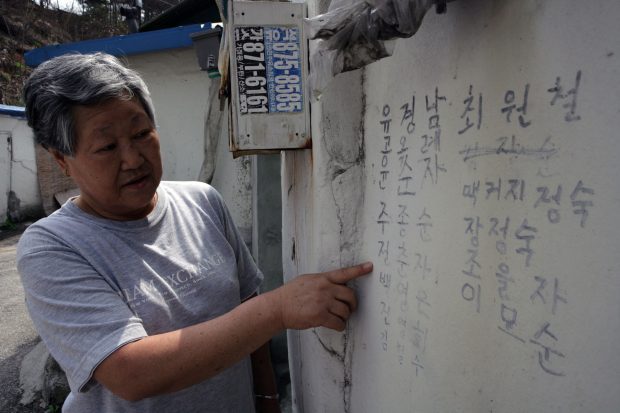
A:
(93, 285)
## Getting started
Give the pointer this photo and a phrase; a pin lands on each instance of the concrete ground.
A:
(17, 335)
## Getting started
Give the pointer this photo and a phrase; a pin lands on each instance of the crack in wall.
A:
(345, 385)
(362, 156)
(328, 349)
(350, 344)
(346, 178)
(21, 163)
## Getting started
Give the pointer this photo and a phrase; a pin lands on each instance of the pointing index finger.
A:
(344, 275)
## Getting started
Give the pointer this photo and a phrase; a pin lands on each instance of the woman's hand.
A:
(320, 299)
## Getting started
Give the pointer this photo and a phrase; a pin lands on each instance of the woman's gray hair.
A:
(55, 87)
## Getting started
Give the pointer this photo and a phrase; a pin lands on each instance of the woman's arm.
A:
(175, 360)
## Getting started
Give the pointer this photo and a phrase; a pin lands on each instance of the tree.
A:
(153, 8)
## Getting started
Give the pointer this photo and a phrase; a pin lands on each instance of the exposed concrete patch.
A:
(41, 378)
(30, 378)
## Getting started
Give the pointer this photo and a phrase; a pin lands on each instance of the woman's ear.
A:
(61, 160)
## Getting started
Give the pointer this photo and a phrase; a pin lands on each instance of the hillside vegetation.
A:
(26, 24)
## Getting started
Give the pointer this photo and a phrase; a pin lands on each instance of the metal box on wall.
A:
(207, 46)
(269, 107)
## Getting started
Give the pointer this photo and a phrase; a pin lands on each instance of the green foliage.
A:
(53, 408)
(8, 225)
(29, 24)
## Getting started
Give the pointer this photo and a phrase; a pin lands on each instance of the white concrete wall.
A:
(427, 337)
(233, 179)
(17, 166)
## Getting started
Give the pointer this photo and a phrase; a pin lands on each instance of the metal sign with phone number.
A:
(269, 72)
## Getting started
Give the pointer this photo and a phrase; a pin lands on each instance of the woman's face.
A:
(117, 162)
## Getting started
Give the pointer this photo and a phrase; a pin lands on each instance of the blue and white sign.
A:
(269, 70)
(269, 108)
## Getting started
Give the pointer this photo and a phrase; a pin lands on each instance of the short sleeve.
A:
(81, 318)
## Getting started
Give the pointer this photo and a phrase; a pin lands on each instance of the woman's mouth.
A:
(137, 183)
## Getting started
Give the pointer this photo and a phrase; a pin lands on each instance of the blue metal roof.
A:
(15, 111)
(121, 45)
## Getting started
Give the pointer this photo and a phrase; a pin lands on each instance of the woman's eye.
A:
(143, 134)
(107, 148)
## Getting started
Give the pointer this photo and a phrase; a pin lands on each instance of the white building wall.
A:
(530, 329)
(18, 166)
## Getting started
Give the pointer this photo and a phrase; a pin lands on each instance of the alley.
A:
(17, 335)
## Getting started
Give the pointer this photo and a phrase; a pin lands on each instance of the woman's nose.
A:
(131, 157)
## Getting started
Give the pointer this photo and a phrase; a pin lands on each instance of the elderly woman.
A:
(143, 290)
